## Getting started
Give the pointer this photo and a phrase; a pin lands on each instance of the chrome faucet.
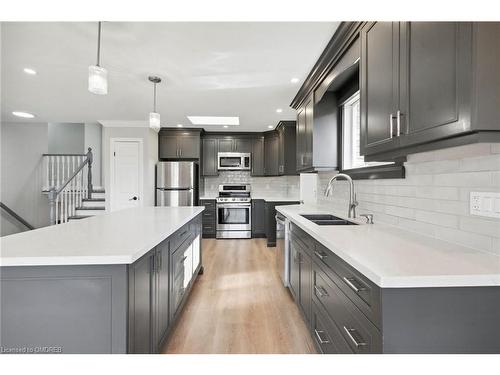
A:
(352, 195)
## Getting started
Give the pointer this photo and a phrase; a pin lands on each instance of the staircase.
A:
(91, 206)
(68, 185)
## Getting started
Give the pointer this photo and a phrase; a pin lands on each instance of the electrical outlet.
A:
(485, 204)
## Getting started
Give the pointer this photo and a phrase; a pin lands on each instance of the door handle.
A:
(134, 198)
(321, 340)
(350, 333)
(320, 291)
(391, 125)
(350, 282)
(398, 123)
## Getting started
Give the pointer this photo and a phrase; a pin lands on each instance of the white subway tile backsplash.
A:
(433, 199)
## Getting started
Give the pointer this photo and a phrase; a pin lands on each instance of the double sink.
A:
(325, 219)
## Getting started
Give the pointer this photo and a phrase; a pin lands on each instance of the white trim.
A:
(112, 142)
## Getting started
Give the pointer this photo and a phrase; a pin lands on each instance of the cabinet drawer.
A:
(208, 228)
(209, 204)
(208, 216)
(361, 335)
(306, 240)
(179, 237)
(325, 333)
(362, 292)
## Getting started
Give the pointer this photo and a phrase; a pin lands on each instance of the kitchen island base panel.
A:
(71, 309)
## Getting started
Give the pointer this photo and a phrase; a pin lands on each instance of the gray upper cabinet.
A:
(435, 80)
(168, 146)
(287, 148)
(271, 154)
(178, 144)
(243, 145)
(304, 135)
(226, 145)
(300, 138)
(209, 159)
(379, 86)
(258, 156)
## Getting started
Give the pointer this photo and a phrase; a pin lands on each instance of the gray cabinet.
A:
(271, 153)
(178, 144)
(294, 269)
(208, 218)
(258, 218)
(209, 157)
(304, 134)
(435, 80)
(243, 144)
(287, 163)
(162, 291)
(226, 145)
(379, 86)
(235, 144)
(141, 290)
(258, 156)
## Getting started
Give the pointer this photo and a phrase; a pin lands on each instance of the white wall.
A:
(433, 199)
(150, 158)
(66, 138)
(22, 146)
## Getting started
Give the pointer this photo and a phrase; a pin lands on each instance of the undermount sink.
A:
(325, 219)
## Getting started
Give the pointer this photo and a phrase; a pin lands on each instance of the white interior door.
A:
(126, 173)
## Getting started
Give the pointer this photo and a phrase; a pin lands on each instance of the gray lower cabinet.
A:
(208, 218)
(271, 219)
(258, 218)
(348, 313)
(159, 283)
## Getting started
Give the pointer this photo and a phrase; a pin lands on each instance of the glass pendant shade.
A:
(154, 120)
(98, 80)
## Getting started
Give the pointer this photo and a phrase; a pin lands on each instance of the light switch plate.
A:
(483, 203)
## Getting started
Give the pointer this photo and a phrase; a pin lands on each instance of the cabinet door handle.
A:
(183, 259)
(350, 281)
(320, 291)
(398, 123)
(350, 332)
(321, 339)
(321, 255)
(391, 125)
(160, 261)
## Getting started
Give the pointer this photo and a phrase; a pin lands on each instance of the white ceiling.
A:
(208, 69)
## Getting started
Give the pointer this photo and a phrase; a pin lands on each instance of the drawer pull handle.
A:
(350, 332)
(320, 291)
(321, 339)
(183, 259)
(350, 281)
(321, 255)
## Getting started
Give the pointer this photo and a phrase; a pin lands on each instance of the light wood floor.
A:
(239, 305)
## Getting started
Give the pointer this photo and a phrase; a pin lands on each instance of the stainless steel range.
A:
(234, 211)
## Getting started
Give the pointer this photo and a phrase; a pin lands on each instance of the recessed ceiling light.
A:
(270, 126)
(279, 110)
(23, 114)
(29, 71)
(226, 126)
(214, 120)
(179, 125)
(294, 80)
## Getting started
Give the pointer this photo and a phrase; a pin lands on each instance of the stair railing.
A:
(16, 216)
(68, 186)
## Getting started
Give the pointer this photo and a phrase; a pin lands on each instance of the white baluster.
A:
(52, 171)
(58, 174)
(46, 166)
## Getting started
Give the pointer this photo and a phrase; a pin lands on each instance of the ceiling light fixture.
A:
(279, 110)
(294, 80)
(98, 76)
(226, 126)
(29, 71)
(179, 125)
(269, 126)
(154, 117)
(214, 120)
(23, 114)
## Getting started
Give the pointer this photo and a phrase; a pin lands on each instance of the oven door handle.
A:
(234, 205)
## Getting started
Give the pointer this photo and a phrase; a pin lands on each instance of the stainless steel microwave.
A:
(234, 161)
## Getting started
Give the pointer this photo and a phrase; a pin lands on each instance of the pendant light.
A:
(98, 76)
(154, 117)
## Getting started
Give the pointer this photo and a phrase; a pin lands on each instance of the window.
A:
(351, 130)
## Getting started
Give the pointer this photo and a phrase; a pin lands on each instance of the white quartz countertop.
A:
(119, 237)
(395, 258)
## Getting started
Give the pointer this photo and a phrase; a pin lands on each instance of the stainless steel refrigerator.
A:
(176, 183)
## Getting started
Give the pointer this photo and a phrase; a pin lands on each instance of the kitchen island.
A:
(113, 283)
(375, 288)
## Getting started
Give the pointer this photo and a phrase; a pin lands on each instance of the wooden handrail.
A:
(16, 216)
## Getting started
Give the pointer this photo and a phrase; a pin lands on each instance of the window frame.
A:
(376, 172)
